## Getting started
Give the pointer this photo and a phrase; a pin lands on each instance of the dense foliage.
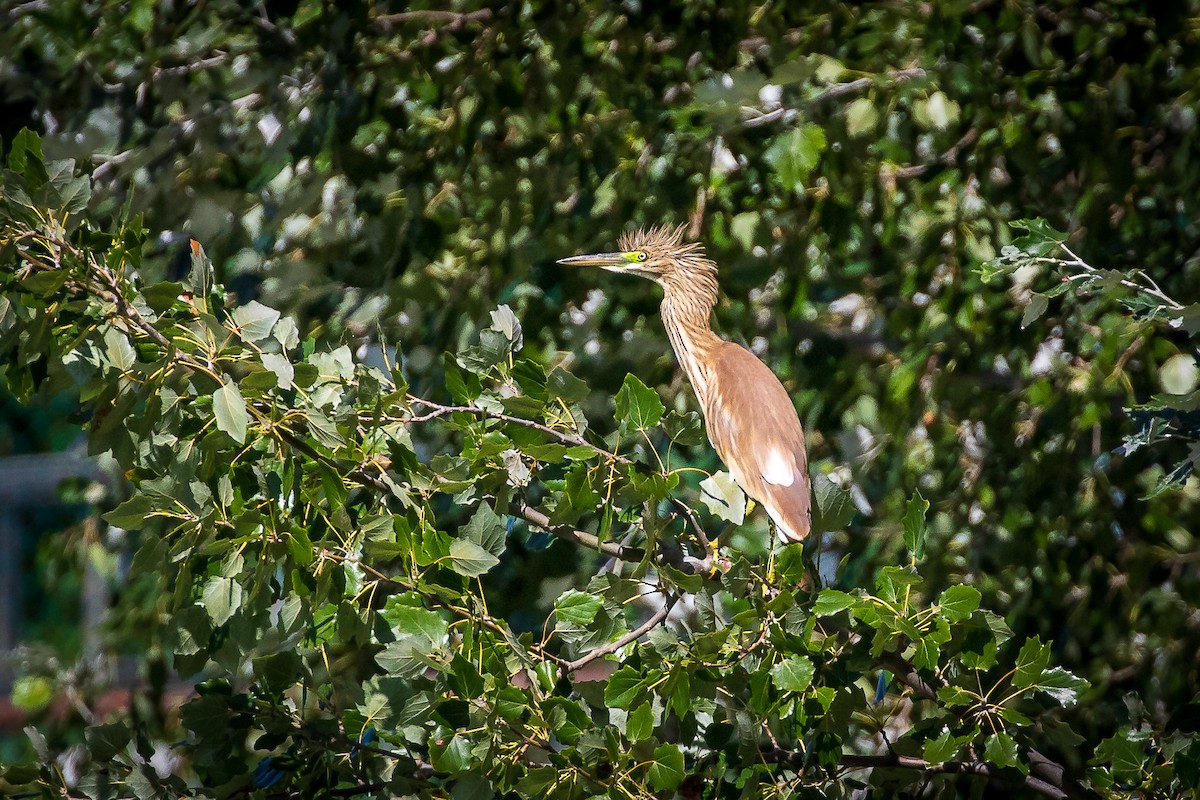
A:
(398, 571)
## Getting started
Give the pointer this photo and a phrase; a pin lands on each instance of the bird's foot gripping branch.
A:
(325, 547)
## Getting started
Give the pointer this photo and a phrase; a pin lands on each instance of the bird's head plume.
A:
(660, 254)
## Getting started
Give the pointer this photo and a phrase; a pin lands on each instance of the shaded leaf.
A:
(666, 770)
(914, 525)
(468, 558)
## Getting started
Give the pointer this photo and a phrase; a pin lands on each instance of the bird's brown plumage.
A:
(750, 418)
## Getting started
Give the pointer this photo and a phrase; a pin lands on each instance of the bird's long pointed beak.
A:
(605, 260)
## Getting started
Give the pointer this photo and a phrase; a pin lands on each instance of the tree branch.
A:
(632, 636)
(452, 20)
(992, 773)
(572, 439)
(945, 159)
(834, 90)
(581, 538)
(1042, 768)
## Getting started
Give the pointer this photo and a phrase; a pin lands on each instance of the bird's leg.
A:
(773, 542)
(812, 567)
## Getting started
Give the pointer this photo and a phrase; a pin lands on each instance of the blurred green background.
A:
(383, 170)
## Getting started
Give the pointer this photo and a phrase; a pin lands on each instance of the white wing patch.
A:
(778, 470)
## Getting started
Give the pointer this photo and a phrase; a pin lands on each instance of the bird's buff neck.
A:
(685, 314)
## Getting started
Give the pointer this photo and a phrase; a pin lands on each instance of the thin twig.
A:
(945, 159)
(1151, 290)
(632, 636)
(582, 538)
(1042, 767)
(572, 439)
(834, 90)
(690, 516)
(851, 761)
(450, 19)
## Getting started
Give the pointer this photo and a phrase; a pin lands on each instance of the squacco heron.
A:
(749, 416)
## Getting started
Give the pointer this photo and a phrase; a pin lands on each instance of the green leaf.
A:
(831, 601)
(221, 597)
(1001, 750)
(468, 558)
(486, 529)
(833, 507)
(1124, 755)
(1062, 685)
(929, 646)
(1039, 230)
(959, 602)
(623, 687)
(1034, 309)
(1187, 766)
(941, 749)
(287, 333)
(537, 782)
(254, 321)
(119, 351)
(666, 770)
(955, 696)
(724, 498)
(300, 546)
(26, 159)
(323, 429)
(566, 386)
(639, 725)
(199, 279)
(413, 620)
(282, 367)
(472, 786)
(892, 580)
(793, 674)
(861, 117)
(450, 755)
(106, 741)
(506, 322)
(684, 428)
(638, 406)
(131, 514)
(277, 671)
(1031, 662)
(914, 525)
(229, 408)
(1014, 717)
(577, 607)
(793, 155)
(566, 719)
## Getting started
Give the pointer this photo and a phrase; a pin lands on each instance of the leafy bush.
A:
(318, 576)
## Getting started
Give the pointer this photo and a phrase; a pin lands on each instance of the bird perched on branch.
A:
(750, 418)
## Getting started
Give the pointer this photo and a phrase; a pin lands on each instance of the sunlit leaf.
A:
(229, 408)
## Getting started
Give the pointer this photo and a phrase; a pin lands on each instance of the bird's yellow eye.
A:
(640, 255)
